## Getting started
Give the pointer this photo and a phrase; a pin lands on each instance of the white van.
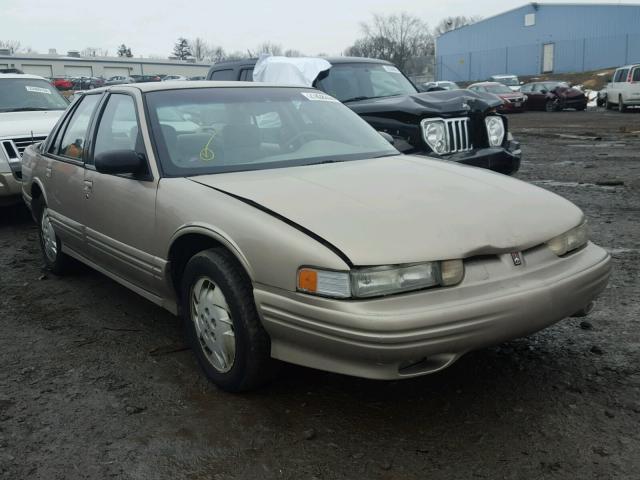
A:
(29, 108)
(624, 88)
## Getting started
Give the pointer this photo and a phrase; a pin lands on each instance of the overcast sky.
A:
(151, 27)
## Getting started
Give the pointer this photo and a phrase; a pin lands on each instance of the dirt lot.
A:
(95, 382)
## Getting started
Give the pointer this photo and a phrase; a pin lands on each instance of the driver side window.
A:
(74, 139)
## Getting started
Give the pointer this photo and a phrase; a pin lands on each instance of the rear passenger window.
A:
(118, 129)
(636, 75)
(246, 75)
(75, 132)
(223, 75)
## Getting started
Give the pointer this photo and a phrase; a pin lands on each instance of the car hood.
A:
(568, 92)
(405, 209)
(23, 124)
(429, 104)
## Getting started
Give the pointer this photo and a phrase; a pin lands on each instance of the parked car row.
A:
(88, 83)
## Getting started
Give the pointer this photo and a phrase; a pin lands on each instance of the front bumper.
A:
(414, 334)
(504, 160)
(10, 189)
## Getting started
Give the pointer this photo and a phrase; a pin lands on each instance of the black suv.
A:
(455, 125)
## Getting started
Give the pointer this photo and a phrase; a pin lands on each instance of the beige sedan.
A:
(280, 225)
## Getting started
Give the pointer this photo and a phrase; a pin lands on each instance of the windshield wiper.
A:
(27, 109)
(326, 161)
(356, 99)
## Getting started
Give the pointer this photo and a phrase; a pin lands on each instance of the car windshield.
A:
(498, 89)
(359, 81)
(509, 81)
(553, 85)
(29, 94)
(448, 85)
(217, 130)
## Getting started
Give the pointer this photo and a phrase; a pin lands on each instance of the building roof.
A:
(125, 60)
(537, 5)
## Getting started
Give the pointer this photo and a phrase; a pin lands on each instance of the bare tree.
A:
(94, 52)
(293, 53)
(14, 46)
(182, 49)
(270, 48)
(452, 23)
(395, 38)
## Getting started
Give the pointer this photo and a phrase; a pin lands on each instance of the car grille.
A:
(516, 100)
(458, 134)
(14, 148)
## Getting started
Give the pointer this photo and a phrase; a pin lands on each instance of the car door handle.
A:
(88, 186)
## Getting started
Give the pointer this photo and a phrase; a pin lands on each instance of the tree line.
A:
(402, 39)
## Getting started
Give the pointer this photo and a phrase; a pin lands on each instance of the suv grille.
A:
(15, 148)
(458, 137)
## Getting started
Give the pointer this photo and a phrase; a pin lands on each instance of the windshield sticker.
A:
(391, 68)
(38, 89)
(319, 97)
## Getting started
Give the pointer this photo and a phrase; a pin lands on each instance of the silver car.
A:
(280, 225)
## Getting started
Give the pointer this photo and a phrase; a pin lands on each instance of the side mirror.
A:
(387, 137)
(120, 161)
(544, 91)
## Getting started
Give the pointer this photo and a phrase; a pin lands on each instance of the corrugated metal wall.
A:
(586, 37)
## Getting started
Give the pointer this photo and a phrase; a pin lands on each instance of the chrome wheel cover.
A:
(211, 318)
(49, 241)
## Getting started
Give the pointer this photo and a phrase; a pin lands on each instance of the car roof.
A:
(504, 75)
(331, 60)
(484, 84)
(180, 85)
(22, 75)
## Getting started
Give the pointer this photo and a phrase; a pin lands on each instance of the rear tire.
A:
(55, 260)
(222, 325)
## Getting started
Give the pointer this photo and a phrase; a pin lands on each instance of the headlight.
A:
(495, 130)
(572, 240)
(379, 281)
(435, 134)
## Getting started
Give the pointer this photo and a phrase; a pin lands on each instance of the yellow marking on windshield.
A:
(207, 155)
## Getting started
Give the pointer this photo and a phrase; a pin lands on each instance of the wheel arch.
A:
(190, 240)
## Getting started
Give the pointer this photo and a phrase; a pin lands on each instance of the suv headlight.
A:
(434, 133)
(572, 240)
(379, 281)
(495, 130)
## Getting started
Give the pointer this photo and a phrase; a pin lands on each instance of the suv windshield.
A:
(216, 130)
(28, 94)
(359, 81)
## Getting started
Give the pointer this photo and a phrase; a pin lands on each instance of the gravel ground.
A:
(96, 382)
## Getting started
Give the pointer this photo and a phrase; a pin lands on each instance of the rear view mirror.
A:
(120, 161)
(387, 137)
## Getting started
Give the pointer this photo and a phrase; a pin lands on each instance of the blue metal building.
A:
(541, 38)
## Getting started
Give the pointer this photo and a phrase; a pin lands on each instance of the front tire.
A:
(551, 106)
(621, 106)
(55, 260)
(221, 322)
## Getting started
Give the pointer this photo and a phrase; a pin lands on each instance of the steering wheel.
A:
(290, 142)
